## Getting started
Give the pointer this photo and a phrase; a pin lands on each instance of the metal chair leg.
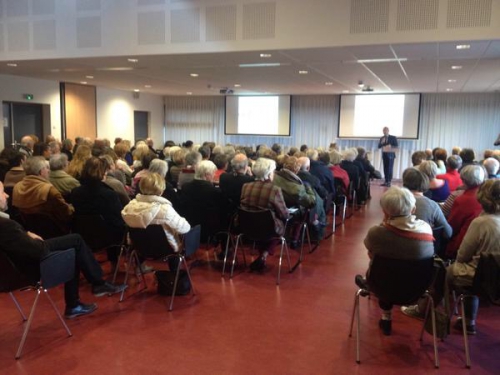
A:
(28, 324)
(280, 260)
(356, 301)
(464, 330)
(358, 330)
(334, 218)
(225, 254)
(434, 334)
(234, 255)
(122, 251)
(14, 299)
(181, 260)
(57, 313)
(344, 209)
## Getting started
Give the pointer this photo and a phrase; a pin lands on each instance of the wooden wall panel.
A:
(80, 111)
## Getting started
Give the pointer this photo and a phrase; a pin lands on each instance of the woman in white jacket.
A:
(150, 208)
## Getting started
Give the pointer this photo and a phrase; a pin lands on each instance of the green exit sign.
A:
(28, 96)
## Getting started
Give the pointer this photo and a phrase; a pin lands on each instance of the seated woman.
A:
(438, 189)
(338, 172)
(16, 172)
(161, 167)
(400, 236)
(264, 195)
(482, 237)
(81, 155)
(150, 208)
(439, 156)
(94, 197)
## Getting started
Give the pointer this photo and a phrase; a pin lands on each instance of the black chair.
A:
(399, 282)
(340, 198)
(151, 243)
(55, 269)
(98, 236)
(439, 242)
(259, 226)
(43, 225)
(486, 284)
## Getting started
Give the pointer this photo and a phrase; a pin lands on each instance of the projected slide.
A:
(364, 116)
(258, 115)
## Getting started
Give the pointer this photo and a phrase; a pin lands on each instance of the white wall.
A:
(115, 108)
(115, 114)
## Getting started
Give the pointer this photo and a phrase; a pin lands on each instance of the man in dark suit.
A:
(388, 143)
(232, 183)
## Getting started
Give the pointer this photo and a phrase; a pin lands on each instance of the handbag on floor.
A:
(166, 283)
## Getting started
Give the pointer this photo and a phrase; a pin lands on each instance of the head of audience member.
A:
(220, 162)
(472, 176)
(216, 150)
(98, 147)
(429, 168)
(169, 143)
(205, 170)
(428, 153)
(333, 146)
(94, 171)
(82, 154)
(54, 147)
(152, 184)
(42, 149)
(324, 157)
(348, 155)
(335, 157)
(292, 164)
(415, 181)
(456, 150)
(150, 142)
(263, 169)
(467, 155)
(453, 163)
(361, 153)
(418, 157)
(303, 148)
(397, 202)
(205, 152)
(489, 197)
(178, 157)
(276, 148)
(67, 145)
(3, 198)
(117, 140)
(58, 162)
(192, 159)
(439, 154)
(312, 154)
(121, 149)
(188, 145)
(239, 164)
(141, 149)
(13, 157)
(158, 166)
(49, 138)
(292, 151)
(280, 161)
(491, 165)
(37, 166)
(109, 163)
(229, 151)
(305, 163)
(146, 160)
(267, 153)
(487, 154)
(28, 142)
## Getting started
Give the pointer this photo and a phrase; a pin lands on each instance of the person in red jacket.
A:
(453, 164)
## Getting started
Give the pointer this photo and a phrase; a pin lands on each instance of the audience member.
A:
(42, 149)
(80, 156)
(27, 145)
(191, 160)
(439, 156)
(337, 171)
(112, 181)
(161, 167)
(58, 177)
(16, 172)
(491, 165)
(468, 157)
(67, 147)
(232, 183)
(453, 164)
(418, 157)
(439, 189)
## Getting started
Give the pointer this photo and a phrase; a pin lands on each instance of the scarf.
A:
(410, 227)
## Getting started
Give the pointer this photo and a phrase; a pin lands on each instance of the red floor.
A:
(246, 325)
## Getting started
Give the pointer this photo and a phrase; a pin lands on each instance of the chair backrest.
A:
(487, 278)
(439, 241)
(95, 232)
(150, 242)
(398, 281)
(192, 240)
(339, 186)
(10, 277)
(258, 225)
(43, 225)
(57, 268)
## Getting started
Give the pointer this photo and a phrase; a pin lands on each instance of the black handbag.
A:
(166, 283)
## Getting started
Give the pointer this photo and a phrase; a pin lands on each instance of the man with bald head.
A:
(232, 183)
(27, 145)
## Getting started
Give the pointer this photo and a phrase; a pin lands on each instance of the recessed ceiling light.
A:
(452, 80)
(189, 93)
(89, 77)
(303, 72)
(194, 74)
(449, 89)
(133, 60)
(11, 65)
(237, 85)
(147, 86)
(136, 90)
(83, 82)
(328, 83)
(463, 46)
(456, 67)
(265, 55)
(345, 91)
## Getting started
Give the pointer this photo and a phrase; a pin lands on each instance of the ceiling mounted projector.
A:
(226, 91)
(367, 89)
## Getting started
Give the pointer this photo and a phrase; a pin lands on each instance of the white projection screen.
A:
(364, 116)
(258, 115)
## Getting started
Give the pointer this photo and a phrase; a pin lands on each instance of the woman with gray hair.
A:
(400, 236)
(161, 167)
(465, 208)
(439, 189)
(264, 195)
(337, 171)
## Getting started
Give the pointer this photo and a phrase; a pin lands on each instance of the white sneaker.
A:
(412, 311)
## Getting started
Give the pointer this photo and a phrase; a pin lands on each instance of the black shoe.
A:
(384, 184)
(78, 310)
(294, 244)
(107, 288)
(470, 328)
(361, 282)
(385, 326)
(258, 264)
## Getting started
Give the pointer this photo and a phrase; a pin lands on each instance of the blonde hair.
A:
(152, 184)
(82, 154)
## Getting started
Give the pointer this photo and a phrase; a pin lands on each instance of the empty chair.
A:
(57, 268)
